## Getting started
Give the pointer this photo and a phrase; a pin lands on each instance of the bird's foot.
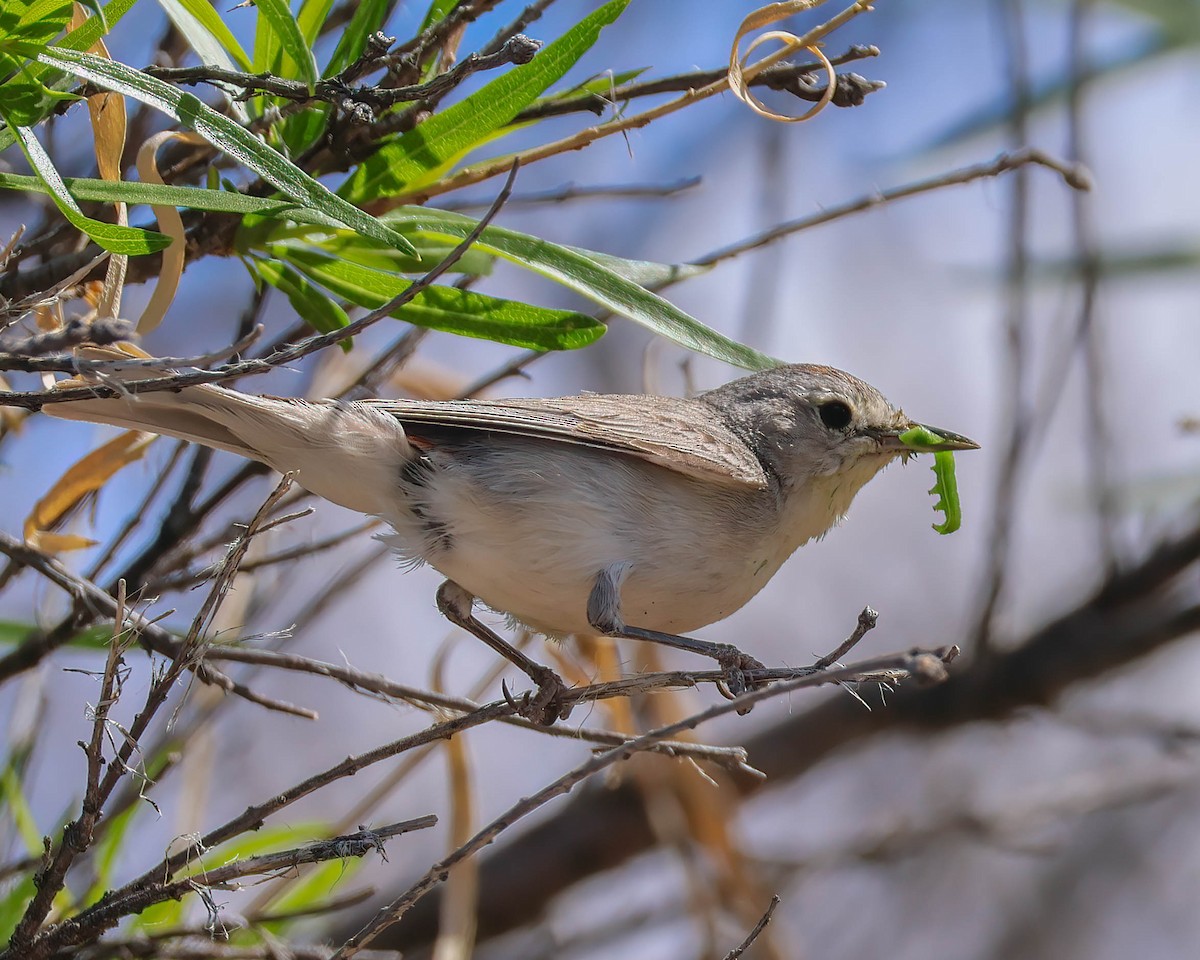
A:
(547, 704)
(735, 664)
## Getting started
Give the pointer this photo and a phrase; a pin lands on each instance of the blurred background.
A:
(1046, 801)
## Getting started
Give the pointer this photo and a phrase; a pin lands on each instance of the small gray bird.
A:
(631, 516)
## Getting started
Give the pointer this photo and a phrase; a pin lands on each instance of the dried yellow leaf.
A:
(83, 477)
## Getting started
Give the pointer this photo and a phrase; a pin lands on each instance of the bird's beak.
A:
(920, 438)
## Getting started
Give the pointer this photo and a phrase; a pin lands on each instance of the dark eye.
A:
(835, 414)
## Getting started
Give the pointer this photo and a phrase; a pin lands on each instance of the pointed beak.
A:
(920, 438)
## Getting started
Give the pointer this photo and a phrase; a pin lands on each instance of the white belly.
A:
(525, 548)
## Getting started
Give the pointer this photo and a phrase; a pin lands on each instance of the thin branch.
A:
(35, 400)
(361, 103)
(1073, 175)
(571, 192)
(75, 930)
(381, 686)
(1019, 412)
(92, 602)
(492, 168)
(754, 934)
(791, 78)
(919, 664)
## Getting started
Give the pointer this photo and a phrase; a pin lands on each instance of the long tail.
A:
(347, 453)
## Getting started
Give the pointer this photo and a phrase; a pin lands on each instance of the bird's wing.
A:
(681, 435)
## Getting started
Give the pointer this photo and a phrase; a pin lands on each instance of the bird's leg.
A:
(604, 614)
(547, 705)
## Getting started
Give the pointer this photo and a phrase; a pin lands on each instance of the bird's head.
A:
(818, 428)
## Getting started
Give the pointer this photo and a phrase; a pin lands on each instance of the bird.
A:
(637, 516)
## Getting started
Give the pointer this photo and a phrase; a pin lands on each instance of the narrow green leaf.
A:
(13, 632)
(13, 904)
(426, 151)
(37, 23)
(645, 273)
(314, 307)
(346, 245)
(93, 28)
(449, 309)
(165, 915)
(112, 237)
(310, 19)
(297, 56)
(438, 11)
(207, 33)
(194, 198)
(307, 893)
(226, 135)
(369, 16)
(19, 811)
(585, 275)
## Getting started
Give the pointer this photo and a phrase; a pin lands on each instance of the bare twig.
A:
(379, 685)
(754, 934)
(572, 191)
(1072, 174)
(35, 400)
(789, 77)
(76, 930)
(1016, 320)
(389, 914)
(360, 102)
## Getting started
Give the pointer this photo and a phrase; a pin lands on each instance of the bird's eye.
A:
(835, 414)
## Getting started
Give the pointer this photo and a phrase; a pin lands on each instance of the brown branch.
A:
(756, 932)
(382, 686)
(290, 353)
(77, 836)
(791, 78)
(1073, 175)
(78, 930)
(361, 103)
(1135, 613)
(916, 663)
(91, 603)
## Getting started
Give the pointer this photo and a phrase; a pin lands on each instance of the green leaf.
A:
(587, 276)
(311, 18)
(264, 840)
(316, 309)
(463, 312)
(19, 811)
(437, 12)
(82, 37)
(645, 273)
(194, 198)
(425, 152)
(307, 893)
(600, 85)
(112, 237)
(14, 632)
(297, 60)
(369, 16)
(165, 915)
(207, 33)
(37, 23)
(346, 245)
(13, 904)
(93, 28)
(226, 135)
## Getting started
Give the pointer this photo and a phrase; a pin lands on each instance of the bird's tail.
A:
(347, 453)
